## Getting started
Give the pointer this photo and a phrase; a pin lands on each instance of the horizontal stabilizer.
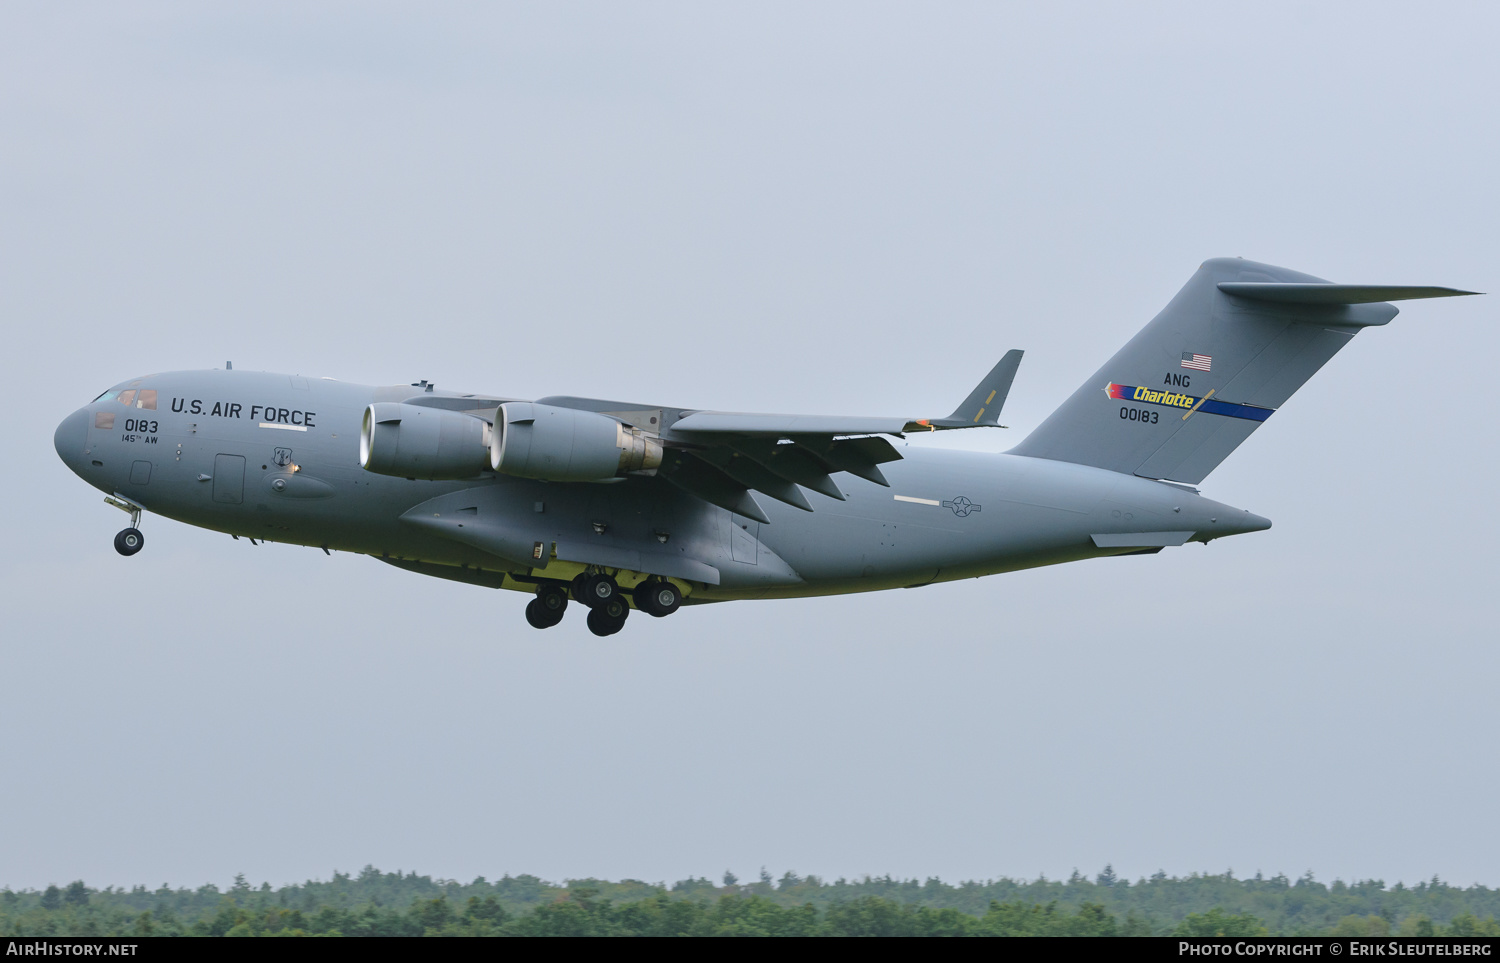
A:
(1300, 293)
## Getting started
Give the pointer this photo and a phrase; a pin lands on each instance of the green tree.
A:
(947, 921)
(577, 913)
(1362, 926)
(661, 915)
(227, 918)
(376, 903)
(329, 920)
(1017, 919)
(1216, 922)
(1092, 919)
(1417, 926)
(433, 914)
(868, 916)
(1467, 924)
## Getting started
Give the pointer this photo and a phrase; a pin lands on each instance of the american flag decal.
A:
(1198, 362)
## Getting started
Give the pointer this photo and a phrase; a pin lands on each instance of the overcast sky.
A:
(831, 208)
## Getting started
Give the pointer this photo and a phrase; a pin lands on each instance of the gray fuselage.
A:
(276, 457)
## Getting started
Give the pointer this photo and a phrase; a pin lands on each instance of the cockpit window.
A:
(131, 397)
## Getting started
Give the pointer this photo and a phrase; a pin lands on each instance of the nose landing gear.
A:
(131, 540)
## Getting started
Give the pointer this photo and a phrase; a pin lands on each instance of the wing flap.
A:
(702, 480)
(751, 474)
(857, 456)
(790, 463)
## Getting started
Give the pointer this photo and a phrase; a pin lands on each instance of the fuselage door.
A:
(229, 479)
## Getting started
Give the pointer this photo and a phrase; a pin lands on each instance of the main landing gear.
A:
(131, 540)
(607, 606)
(657, 597)
(546, 610)
(606, 602)
(607, 618)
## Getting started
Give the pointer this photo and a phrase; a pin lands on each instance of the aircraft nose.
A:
(70, 439)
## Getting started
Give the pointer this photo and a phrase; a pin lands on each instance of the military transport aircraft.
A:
(621, 505)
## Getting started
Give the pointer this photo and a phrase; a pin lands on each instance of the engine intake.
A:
(410, 441)
(565, 444)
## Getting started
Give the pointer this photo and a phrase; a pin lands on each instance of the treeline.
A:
(406, 904)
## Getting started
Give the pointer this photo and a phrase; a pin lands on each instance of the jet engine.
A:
(565, 444)
(410, 441)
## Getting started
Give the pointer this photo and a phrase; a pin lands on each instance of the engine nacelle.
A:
(565, 444)
(410, 441)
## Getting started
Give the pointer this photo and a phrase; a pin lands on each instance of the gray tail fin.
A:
(1229, 349)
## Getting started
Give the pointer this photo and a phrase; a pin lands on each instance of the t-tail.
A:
(1215, 364)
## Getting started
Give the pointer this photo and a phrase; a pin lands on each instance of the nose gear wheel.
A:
(129, 541)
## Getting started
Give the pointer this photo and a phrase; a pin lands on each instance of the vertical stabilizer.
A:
(1215, 364)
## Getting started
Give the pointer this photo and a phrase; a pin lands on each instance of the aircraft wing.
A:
(723, 457)
(784, 426)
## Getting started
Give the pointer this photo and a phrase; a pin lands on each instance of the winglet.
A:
(982, 407)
